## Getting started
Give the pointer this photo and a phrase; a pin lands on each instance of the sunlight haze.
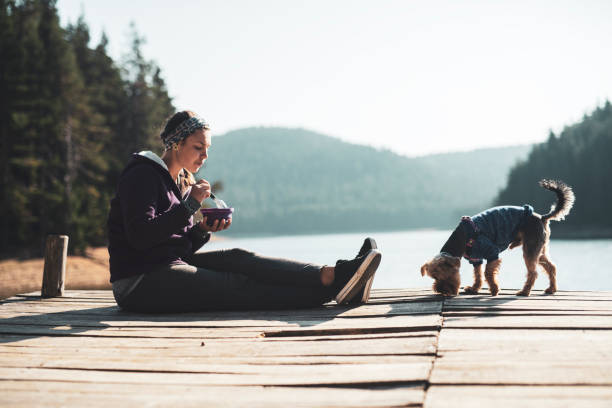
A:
(415, 77)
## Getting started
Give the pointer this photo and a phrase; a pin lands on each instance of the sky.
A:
(415, 77)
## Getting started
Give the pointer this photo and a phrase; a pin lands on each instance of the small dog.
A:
(490, 232)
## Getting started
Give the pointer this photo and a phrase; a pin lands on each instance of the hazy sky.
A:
(413, 76)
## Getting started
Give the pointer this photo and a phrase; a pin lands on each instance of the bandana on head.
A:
(183, 130)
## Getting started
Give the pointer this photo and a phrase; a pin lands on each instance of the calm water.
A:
(581, 264)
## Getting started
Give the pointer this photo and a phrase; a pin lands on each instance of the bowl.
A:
(214, 214)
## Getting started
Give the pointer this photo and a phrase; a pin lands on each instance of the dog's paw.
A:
(494, 291)
(522, 293)
(469, 290)
(550, 291)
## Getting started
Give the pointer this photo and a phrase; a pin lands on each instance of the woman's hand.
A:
(200, 190)
(217, 225)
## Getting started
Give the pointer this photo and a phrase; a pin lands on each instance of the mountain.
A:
(283, 180)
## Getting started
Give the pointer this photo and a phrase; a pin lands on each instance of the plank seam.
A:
(560, 328)
(435, 353)
(357, 384)
(519, 384)
(339, 332)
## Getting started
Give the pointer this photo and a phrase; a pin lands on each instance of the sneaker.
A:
(364, 295)
(368, 244)
(354, 274)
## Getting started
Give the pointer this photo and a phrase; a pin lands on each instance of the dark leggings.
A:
(233, 279)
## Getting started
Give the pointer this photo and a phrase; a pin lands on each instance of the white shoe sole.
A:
(361, 278)
(368, 285)
(366, 290)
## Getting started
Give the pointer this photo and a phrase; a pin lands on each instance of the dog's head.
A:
(444, 269)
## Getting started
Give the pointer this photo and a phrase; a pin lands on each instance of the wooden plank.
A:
(546, 357)
(417, 341)
(508, 370)
(533, 305)
(216, 348)
(540, 293)
(106, 294)
(217, 330)
(406, 293)
(506, 298)
(105, 331)
(19, 394)
(515, 396)
(565, 322)
(238, 362)
(86, 309)
(540, 343)
(297, 375)
(527, 313)
(528, 304)
(376, 294)
(363, 325)
(33, 313)
(136, 322)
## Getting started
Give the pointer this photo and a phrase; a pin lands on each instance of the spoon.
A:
(220, 203)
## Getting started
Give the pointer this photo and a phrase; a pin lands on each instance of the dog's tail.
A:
(565, 199)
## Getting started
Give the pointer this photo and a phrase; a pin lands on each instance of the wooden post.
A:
(54, 273)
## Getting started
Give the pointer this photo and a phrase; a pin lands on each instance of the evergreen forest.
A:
(580, 156)
(69, 117)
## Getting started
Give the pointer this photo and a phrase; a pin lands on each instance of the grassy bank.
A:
(89, 272)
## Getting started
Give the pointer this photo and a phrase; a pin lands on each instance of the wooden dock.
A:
(406, 348)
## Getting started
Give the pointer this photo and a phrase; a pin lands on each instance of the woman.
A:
(153, 242)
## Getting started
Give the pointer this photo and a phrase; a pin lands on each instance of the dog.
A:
(485, 235)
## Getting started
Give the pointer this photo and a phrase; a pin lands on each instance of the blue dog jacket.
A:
(491, 231)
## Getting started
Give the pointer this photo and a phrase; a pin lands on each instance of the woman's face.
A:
(193, 150)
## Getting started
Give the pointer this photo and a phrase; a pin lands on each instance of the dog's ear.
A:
(424, 269)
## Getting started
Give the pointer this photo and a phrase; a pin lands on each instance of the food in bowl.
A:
(214, 214)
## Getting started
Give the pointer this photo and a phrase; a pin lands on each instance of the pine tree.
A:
(28, 115)
(9, 52)
(148, 103)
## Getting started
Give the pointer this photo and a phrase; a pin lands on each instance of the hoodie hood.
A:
(154, 157)
(148, 158)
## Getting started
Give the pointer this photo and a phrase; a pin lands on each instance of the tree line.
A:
(580, 156)
(70, 116)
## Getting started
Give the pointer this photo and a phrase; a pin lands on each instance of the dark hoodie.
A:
(148, 223)
(493, 230)
(485, 235)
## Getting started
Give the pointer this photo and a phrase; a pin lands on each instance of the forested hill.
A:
(580, 156)
(297, 181)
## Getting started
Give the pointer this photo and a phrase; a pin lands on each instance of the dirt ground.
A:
(90, 272)
(82, 272)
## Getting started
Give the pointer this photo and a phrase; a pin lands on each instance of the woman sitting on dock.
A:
(153, 241)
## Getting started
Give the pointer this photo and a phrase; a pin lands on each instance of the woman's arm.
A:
(139, 192)
(202, 232)
(198, 237)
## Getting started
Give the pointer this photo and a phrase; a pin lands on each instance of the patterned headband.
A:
(183, 130)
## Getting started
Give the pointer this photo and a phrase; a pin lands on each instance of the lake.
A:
(581, 264)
